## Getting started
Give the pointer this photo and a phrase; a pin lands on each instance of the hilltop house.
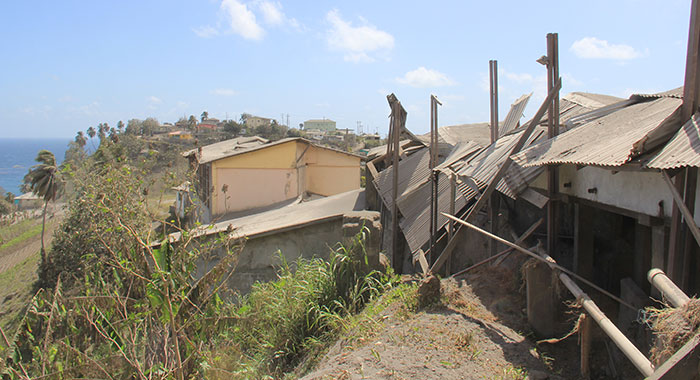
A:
(325, 125)
(249, 173)
(256, 121)
(209, 124)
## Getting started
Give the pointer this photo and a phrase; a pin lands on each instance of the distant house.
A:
(210, 124)
(256, 121)
(28, 201)
(249, 173)
(315, 134)
(182, 135)
(326, 125)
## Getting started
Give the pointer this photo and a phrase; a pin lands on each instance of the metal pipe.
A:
(668, 288)
(633, 354)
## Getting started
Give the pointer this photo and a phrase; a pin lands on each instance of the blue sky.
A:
(69, 65)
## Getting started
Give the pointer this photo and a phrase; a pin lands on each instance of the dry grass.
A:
(673, 327)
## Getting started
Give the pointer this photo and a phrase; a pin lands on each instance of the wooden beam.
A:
(552, 131)
(499, 174)
(397, 123)
(585, 338)
(493, 201)
(687, 215)
(505, 252)
(621, 341)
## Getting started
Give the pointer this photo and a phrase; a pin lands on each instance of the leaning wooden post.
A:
(398, 120)
(621, 341)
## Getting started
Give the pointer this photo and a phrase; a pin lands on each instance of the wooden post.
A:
(583, 240)
(433, 174)
(493, 201)
(685, 181)
(585, 337)
(397, 122)
(451, 225)
(642, 256)
(552, 130)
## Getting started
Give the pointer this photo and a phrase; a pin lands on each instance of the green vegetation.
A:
(26, 234)
(114, 301)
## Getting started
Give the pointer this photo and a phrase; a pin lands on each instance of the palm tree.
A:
(80, 139)
(45, 181)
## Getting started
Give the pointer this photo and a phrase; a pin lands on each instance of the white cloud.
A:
(206, 31)
(593, 48)
(224, 92)
(154, 100)
(357, 42)
(422, 77)
(241, 20)
(272, 12)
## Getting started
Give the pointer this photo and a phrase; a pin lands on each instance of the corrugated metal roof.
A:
(293, 216)
(482, 167)
(611, 140)
(514, 115)
(454, 134)
(412, 171)
(240, 145)
(675, 93)
(682, 150)
(225, 148)
(415, 223)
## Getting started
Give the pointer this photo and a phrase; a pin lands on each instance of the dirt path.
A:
(31, 246)
(457, 339)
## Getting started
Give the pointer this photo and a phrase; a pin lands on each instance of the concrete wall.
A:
(259, 260)
(635, 191)
(329, 172)
(255, 179)
(253, 188)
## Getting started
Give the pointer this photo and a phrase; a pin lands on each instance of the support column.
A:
(583, 240)
(642, 256)
(658, 252)
(552, 131)
(540, 299)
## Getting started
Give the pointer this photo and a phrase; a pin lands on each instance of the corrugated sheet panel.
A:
(675, 93)
(412, 171)
(682, 150)
(415, 208)
(608, 141)
(514, 115)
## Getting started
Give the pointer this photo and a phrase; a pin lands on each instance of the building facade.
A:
(325, 125)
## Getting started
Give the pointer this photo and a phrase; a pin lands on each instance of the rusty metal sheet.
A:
(683, 149)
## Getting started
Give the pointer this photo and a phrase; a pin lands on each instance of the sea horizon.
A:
(17, 156)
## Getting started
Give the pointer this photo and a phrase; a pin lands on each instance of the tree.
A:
(91, 132)
(293, 132)
(120, 126)
(230, 126)
(80, 139)
(45, 181)
(133, 127)
(149, 126)
(205, 115)
(192, 123)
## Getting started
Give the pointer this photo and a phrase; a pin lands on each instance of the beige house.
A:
(238, 175)
(326, 125)
(256, 121)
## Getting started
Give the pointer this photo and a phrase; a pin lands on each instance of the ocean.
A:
(17, 156)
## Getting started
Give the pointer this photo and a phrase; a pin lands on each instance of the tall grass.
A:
(282, 322)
